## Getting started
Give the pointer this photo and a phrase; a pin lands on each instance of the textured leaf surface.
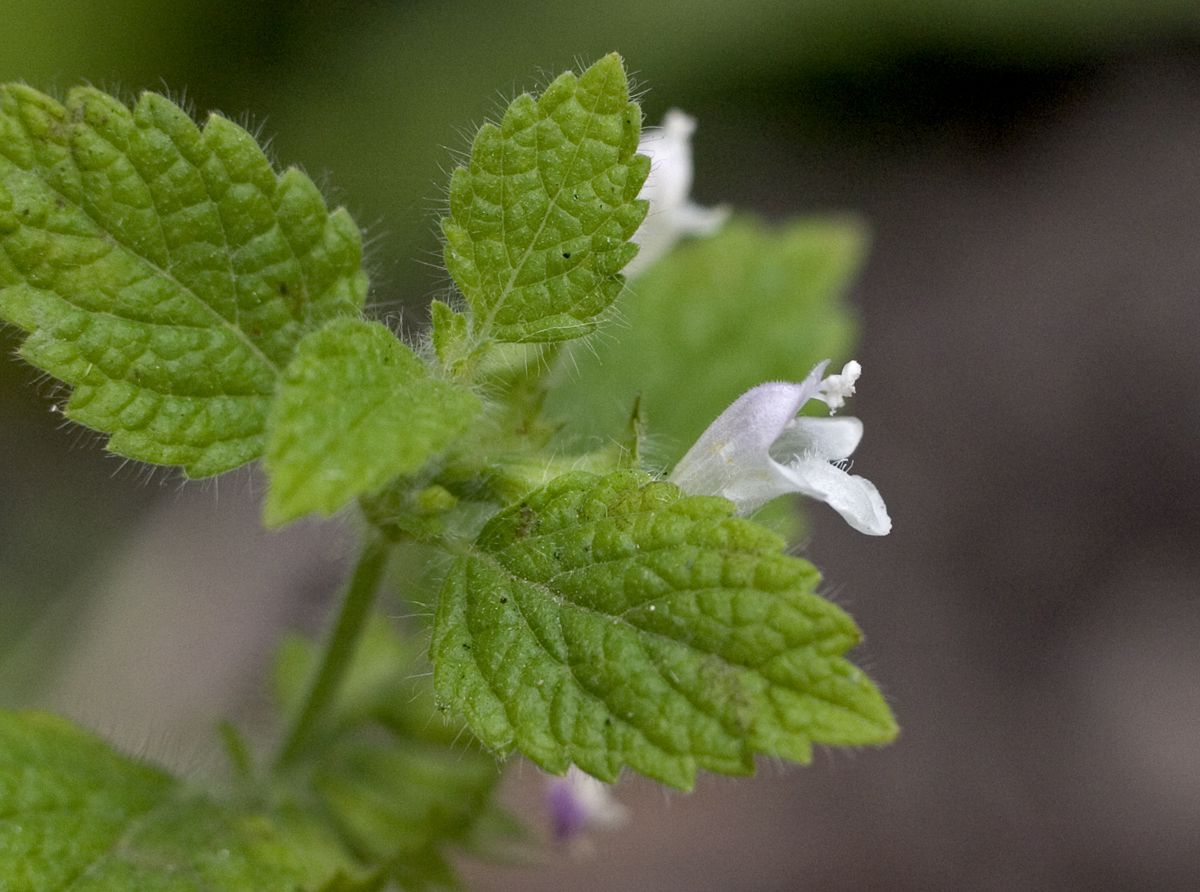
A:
(74, 814)
(710, 320)
(356, 408)
(164, 271)
(612, 620)
(541, 217)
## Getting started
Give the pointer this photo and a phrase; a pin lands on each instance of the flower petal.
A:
(577, 802)
(829, 438)
(670, 149)
(750, 491)
(733, 454)
(853, 497)
(692, 219)
(671, 216)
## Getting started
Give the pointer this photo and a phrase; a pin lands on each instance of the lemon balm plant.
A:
(600, 606)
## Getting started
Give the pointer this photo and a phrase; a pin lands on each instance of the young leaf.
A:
(79, 816)
(715, 317)
(164, 271)
(356, 408)
(540, 219)
(450, 332)
(612, 620)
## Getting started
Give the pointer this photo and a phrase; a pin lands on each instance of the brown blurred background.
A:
(1029, 313)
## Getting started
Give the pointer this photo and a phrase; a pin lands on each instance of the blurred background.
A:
(1030, 171)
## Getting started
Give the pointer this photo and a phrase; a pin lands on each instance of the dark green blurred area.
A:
(931, 120)
(376, 98)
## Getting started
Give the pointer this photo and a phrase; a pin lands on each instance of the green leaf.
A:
(404, 803)
(450, 332)
(540, 219)
(164, 271)
(79, 816)
(356, 408)
(612, 620)
(709, 321)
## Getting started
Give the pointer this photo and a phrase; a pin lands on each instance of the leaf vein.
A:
(133, 252)
(504, 295)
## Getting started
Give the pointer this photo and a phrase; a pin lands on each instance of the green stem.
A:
(340, 646)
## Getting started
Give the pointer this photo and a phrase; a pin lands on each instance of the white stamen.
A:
(836, 389)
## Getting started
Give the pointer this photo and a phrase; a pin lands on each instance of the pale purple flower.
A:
(759, 448)
(672, 215)
(577, 802)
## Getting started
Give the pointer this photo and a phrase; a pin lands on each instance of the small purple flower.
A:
(759, 448)
(577, 802)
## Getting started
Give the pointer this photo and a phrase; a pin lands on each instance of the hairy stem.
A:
(339, 648)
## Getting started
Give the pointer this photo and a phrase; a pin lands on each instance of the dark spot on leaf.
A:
(466, 646)
(566, 255)
(283, 288)
(504, 600)
(526, 522)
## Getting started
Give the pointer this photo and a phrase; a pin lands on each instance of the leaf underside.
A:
(612, 620)
(162, 270)
(541, 217)
(356, 408)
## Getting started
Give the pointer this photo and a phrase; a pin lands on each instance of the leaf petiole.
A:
(339, 648)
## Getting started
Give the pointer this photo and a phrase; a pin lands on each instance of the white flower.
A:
(672, 216)
(759, 449)
(578, 802)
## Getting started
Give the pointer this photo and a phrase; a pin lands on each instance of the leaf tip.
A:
(276, 515)
(606, 70)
